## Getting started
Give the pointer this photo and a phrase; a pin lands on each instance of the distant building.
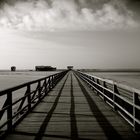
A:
(13, 68)
(69, 67)
(45, 68)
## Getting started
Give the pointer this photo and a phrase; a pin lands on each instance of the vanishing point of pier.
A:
(70, 105)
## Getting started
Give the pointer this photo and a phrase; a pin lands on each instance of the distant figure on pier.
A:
(69, 67)
(13, 68)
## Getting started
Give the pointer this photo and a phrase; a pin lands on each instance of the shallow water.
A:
(10, 79)
(127, 78)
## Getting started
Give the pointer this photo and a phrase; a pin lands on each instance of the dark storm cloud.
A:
(68, 14)
(134, 5)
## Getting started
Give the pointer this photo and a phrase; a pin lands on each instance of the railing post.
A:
(52, 82)
(135, 102)
(115, 90)
(29, 97)
(104, 85)
(56, 79)
(92, 78)
(39, 90)
(9, 111)
(90, 82)
(45, 86)
(49, 83)
(97, 81)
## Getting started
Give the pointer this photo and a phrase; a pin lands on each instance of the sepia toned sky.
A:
(83, 33)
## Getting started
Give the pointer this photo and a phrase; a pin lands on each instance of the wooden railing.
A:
(17, 101)
(124, 99)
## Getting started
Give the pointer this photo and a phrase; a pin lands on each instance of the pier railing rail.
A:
(123, 99)
(12, 110)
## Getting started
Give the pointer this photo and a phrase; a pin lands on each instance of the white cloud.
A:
(65, 15)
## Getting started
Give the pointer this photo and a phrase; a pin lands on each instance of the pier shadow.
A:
(108, 129)
(74, 131)
(43, 127)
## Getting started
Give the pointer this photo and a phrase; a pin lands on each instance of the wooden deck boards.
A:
(72, 111)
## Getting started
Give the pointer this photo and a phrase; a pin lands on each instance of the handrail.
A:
(116, 83)
(125, 100)
(13, 111)
(2, 92)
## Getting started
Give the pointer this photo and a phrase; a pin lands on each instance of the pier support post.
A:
(97, 81)
(104, 85)
(115, 90)
(9, 111)
(39, 90)
(52, 82)
(49, 82)
(45, 87)
(29, 97)
(135, 114)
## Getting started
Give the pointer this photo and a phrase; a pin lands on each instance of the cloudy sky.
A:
(83, 33)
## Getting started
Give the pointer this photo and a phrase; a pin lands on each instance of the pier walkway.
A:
(71, 110)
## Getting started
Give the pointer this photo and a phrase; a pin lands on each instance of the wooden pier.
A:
(72, 110)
